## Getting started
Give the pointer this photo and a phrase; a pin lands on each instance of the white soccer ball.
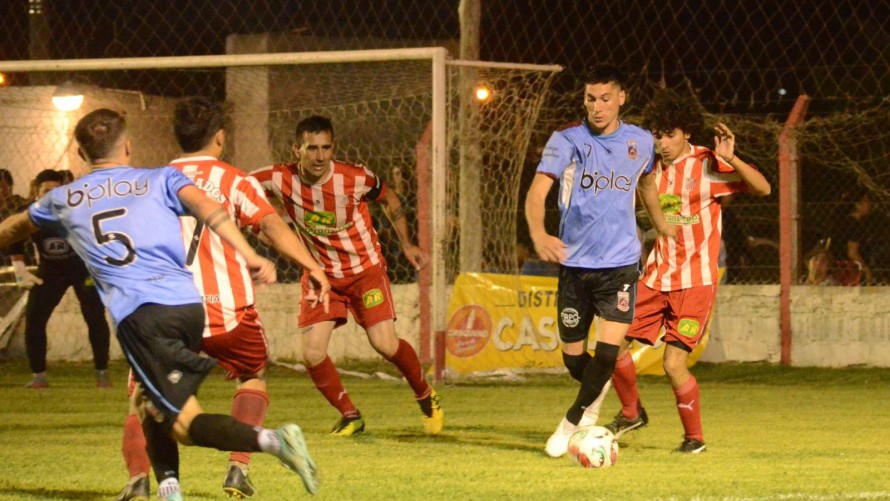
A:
(593, 447)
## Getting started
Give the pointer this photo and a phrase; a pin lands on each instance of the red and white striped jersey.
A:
(687, 191)
(332, 214)
(219, 271)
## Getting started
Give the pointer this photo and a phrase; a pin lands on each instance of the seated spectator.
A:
(851, 240)
(819, 263)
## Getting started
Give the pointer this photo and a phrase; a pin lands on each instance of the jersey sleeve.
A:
(650, 164)
(42, 214)
(724, 179)
(175, 181)
(251, 205)
(558, 154)
(377, 186)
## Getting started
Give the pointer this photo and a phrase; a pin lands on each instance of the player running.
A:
(679, 283)
(124, 223)
(233, 333)
(327, 200)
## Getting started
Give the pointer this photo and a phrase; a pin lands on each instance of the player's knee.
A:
(576, 364)
(675, 362)
(313, 356)
(605, 355)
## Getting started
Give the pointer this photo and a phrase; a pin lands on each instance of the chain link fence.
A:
(746, 62)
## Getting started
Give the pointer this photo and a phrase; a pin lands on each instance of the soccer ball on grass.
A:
(593, 447)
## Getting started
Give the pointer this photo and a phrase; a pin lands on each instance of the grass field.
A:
(772, 433)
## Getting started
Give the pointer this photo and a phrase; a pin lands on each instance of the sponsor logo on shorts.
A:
(372, 298)
(623, 301)
(688, 327)
(174, 376)
(569, 317)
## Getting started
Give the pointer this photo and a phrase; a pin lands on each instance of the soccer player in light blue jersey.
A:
(124, 223)
(599, 163)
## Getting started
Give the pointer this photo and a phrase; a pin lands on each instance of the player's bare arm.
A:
(724, 147)
(548, 247)
(16, 228)
(287, 243)
(214, 216)
(394, 210)
(649, 195)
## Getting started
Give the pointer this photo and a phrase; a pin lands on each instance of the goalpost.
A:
(389, 106)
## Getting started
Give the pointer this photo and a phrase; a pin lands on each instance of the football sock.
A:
(576, 364)
(405, 359)
(326, 379)
(162, 450)
(689, 407)
(133, 447)
(596, 375)
(624, 379)
(268, 441)
(249, 406)
(224, 433)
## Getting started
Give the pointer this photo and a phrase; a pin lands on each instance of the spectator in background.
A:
(10, 203)
(59, 269)
(819, 263)
(851, 240)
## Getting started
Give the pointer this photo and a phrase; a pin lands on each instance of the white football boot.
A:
(558, 443)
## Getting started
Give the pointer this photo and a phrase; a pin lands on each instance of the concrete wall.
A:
(278, 306)
(833, 326)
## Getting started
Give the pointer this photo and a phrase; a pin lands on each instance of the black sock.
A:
(162, 450)
(224, 433)
(576, 364)
(596, 375)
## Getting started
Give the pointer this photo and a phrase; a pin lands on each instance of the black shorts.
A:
(609, 293)
(161, 344)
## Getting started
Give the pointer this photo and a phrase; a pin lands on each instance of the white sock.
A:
(168, 486)
(268, 441)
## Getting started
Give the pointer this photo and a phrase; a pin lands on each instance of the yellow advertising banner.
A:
(509, 321)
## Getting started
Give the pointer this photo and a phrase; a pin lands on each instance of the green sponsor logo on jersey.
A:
(372, 298)
(322, 218)
(670, 204)
(688, 327)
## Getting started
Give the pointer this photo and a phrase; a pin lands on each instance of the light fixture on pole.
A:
(68, 96)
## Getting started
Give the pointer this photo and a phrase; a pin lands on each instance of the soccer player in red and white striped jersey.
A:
(327, 200)
(233, 333)
(679, 283)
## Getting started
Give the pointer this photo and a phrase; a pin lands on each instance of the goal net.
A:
(410, 115)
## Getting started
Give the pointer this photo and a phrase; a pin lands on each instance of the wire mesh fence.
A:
(746, 62)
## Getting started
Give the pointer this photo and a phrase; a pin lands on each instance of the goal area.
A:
(413, 116)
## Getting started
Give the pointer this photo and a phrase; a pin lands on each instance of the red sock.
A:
(405, 359)
(326, 379)
(133, 447)
(689, 407)
(248, 406)
(624, 379)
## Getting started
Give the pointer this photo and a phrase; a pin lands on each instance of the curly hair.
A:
(669, 110)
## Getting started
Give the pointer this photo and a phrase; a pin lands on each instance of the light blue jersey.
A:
(598, 176)
(124, 223)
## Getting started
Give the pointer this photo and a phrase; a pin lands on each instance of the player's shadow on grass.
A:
(482, 436)
(76, 495)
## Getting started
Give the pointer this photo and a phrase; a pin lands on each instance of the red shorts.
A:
(242, 351)
(683, 313)
(367, 295)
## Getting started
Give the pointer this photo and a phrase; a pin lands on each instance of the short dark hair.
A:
(49, 175)
(98, 132)
(6, 177)
(604, 73)
(314, 124)
(195, 121)
(669, 110)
